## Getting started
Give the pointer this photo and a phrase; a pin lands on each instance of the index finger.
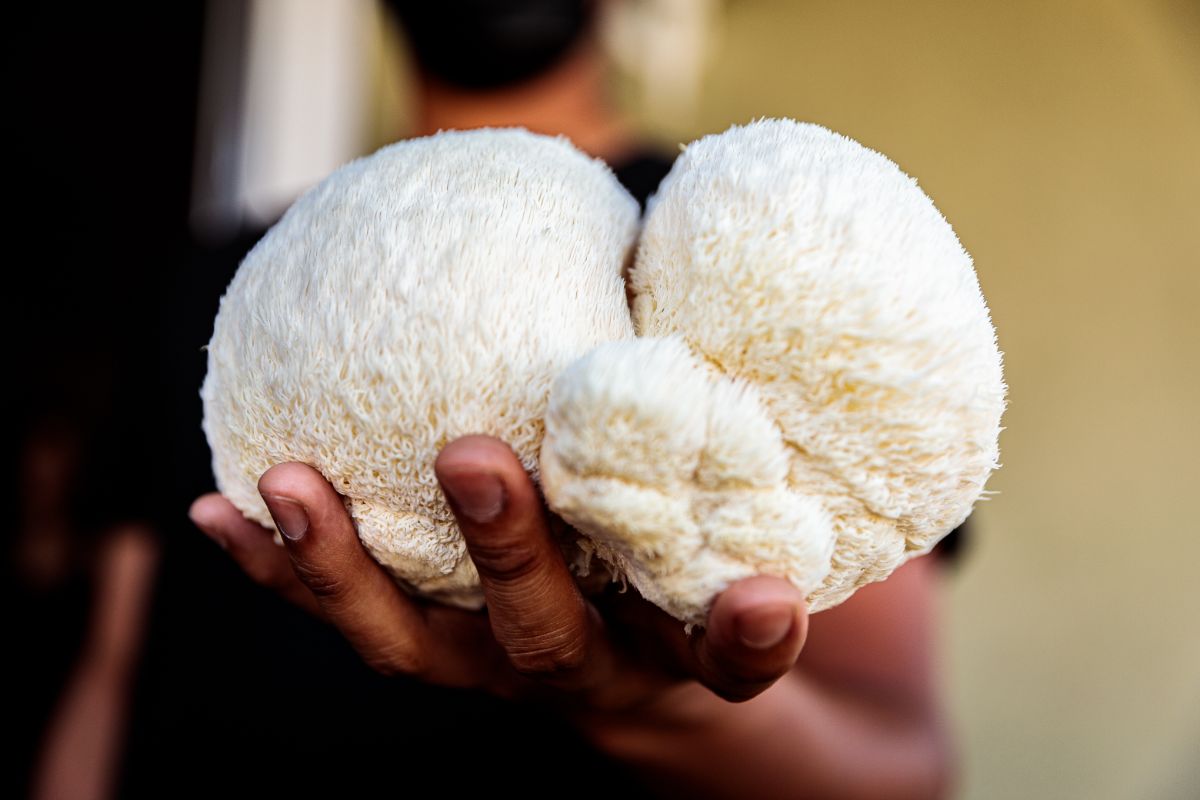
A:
(537, 613)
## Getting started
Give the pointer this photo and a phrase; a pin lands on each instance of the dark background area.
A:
(99, 140)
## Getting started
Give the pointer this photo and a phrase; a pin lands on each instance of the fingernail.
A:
(478, 497)
(763, 628)
(290, 517)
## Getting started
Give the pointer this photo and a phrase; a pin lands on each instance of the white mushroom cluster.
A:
(806, 384)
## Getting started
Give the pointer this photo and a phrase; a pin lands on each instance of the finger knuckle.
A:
(392, 661)
(506, 561)
(551, 657)
(382, 666)
(326, 586)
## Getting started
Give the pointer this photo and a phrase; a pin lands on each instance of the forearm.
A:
(83, 743)
(798, 739)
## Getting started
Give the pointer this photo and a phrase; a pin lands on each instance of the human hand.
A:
(540, 637)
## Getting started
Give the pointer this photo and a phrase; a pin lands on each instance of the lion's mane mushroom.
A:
(814, 390)
(817, 391)
(431, 290)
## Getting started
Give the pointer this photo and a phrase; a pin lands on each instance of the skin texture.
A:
(862, 720)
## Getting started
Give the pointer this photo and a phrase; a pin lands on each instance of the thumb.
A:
(755, 632)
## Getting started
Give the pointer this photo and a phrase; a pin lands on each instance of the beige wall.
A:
(1062, 140)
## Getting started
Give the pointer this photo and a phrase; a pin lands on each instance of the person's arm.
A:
(83, 741)
(858, 718)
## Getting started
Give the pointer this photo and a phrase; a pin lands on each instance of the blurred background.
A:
(1060, 138)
